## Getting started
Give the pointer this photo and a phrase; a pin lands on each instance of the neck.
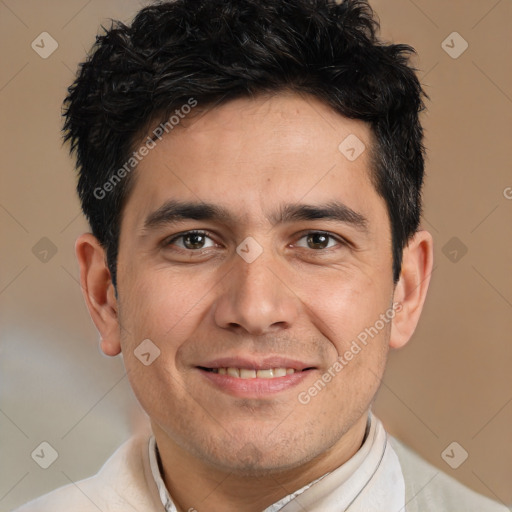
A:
(219, 490)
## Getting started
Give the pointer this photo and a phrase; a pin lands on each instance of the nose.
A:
(256, 298)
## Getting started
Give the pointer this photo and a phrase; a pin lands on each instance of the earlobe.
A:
(110, 347)
(98, 291)
(411, 289)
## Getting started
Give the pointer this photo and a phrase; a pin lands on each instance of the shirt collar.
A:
(154, 464)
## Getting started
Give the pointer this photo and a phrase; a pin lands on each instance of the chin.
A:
(256, 460)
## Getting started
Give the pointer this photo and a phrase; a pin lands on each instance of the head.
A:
(287, 135)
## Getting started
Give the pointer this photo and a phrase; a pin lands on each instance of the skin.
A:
(298, 299)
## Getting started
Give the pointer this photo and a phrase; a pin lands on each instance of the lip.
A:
(253, 364)
(255, 388)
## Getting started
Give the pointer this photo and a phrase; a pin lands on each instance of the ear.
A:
(411, 289)
(99, 292)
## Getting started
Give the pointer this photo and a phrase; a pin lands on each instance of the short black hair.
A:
(213, 51)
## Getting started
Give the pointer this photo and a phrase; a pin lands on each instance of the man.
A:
(252, 171)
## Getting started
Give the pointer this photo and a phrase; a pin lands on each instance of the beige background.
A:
(451, 383)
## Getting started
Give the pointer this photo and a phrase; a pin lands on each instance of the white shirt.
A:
(370, 481)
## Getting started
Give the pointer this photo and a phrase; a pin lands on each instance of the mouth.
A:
(255, 379)
(252, 373)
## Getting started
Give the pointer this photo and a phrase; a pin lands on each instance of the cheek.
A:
(159, 311)
(162, 307)
(347, 309)
(346, 303)
(160, 390)
(157, 317)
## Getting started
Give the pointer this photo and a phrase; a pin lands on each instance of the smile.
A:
(253, 382)
(249, 373)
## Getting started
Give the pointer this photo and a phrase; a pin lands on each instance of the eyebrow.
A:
(173, 211)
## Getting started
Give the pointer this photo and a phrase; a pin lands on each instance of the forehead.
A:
(249, 155)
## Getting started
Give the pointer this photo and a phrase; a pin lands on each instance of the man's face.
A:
(293, 296)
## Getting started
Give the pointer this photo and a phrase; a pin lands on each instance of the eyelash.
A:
(338, 239)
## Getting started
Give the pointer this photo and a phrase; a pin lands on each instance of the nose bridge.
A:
(255, 296)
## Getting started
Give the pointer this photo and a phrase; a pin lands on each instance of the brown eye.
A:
(319, 240)
(192, 240)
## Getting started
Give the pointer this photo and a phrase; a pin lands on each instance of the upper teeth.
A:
(244, 373)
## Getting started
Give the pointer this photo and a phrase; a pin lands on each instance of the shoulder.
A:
(120, 485)
(428, 488)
